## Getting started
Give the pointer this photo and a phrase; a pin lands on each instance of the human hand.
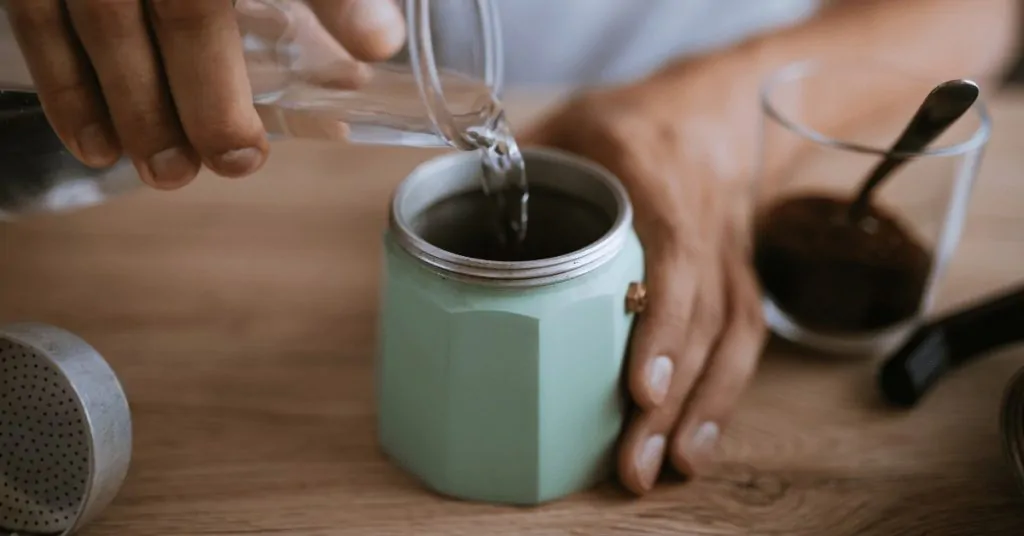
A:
(165, 81)
(697, 342)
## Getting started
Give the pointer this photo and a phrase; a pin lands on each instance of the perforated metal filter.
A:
(42, 435)
(65, 431)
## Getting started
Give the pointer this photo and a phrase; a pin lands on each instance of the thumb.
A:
(317, 57)
(371, 30)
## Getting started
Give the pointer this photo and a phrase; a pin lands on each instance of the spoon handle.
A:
(951, 341)
(946, 103)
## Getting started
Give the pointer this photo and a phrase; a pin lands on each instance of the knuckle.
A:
(146, 141)
(674, 235)
(627, 124)
(751, 316)
(106, 6)
(689, 369)
(184, 11)
(608, 125)
(746, 327)
(720, 394)
(139, 114)
(108, 20)
(145, 127)
(671, 244)
(741, 361)
(66, 99)
(30, 14)
(668, 235)
(670, 320)
(735, 380)
(68, 107)
(668, 133)
(217, 137)
(610, 139)
(710, 319)
(709, 309)
(99, 11)
(747, 312)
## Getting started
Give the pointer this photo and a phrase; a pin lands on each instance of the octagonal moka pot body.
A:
(500, 381)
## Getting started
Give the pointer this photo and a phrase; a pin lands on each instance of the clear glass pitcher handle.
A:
(439, 87)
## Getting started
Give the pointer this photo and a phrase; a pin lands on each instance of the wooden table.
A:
(240, 316)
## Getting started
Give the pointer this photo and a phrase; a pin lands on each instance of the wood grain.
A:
(240, 316)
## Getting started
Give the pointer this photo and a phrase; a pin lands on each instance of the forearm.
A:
(940, 39)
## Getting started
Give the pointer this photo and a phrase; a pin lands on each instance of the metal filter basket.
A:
(65, 431)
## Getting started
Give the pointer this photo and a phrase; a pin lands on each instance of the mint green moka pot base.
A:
(504, 385)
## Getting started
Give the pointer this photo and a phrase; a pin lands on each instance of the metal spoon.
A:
(940, 109)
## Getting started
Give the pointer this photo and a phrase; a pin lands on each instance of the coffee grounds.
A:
(832, 275)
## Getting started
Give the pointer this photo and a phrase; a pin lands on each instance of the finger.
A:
(300, 124)
(671, 246)
(320, 59)
(728, 372)
(65, 80)
(117, 40)
(371, 30)
(638, 465)
(654, 354)
(642, 449)
(202, 54)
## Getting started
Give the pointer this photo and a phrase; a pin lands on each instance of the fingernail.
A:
(239, 162)
(170, 168)
(97, 145)
(699, 447)
(648, 462)
(659, 377)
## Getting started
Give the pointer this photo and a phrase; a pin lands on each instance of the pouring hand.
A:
(166, 81)
(697, 343)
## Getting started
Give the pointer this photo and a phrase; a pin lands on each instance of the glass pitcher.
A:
(440, 90)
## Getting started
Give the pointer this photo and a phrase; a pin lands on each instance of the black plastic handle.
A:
(951, 341)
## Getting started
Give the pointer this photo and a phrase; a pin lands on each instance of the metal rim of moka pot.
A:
(457, 173)
(82, 421)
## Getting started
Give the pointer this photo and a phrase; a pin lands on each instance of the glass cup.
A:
(831, 280)
(440, 89)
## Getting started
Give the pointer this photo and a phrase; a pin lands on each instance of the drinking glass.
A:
(440, 89)
(831, 281)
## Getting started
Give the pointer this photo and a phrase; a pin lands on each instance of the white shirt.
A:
(590, 42)
(571, 43)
